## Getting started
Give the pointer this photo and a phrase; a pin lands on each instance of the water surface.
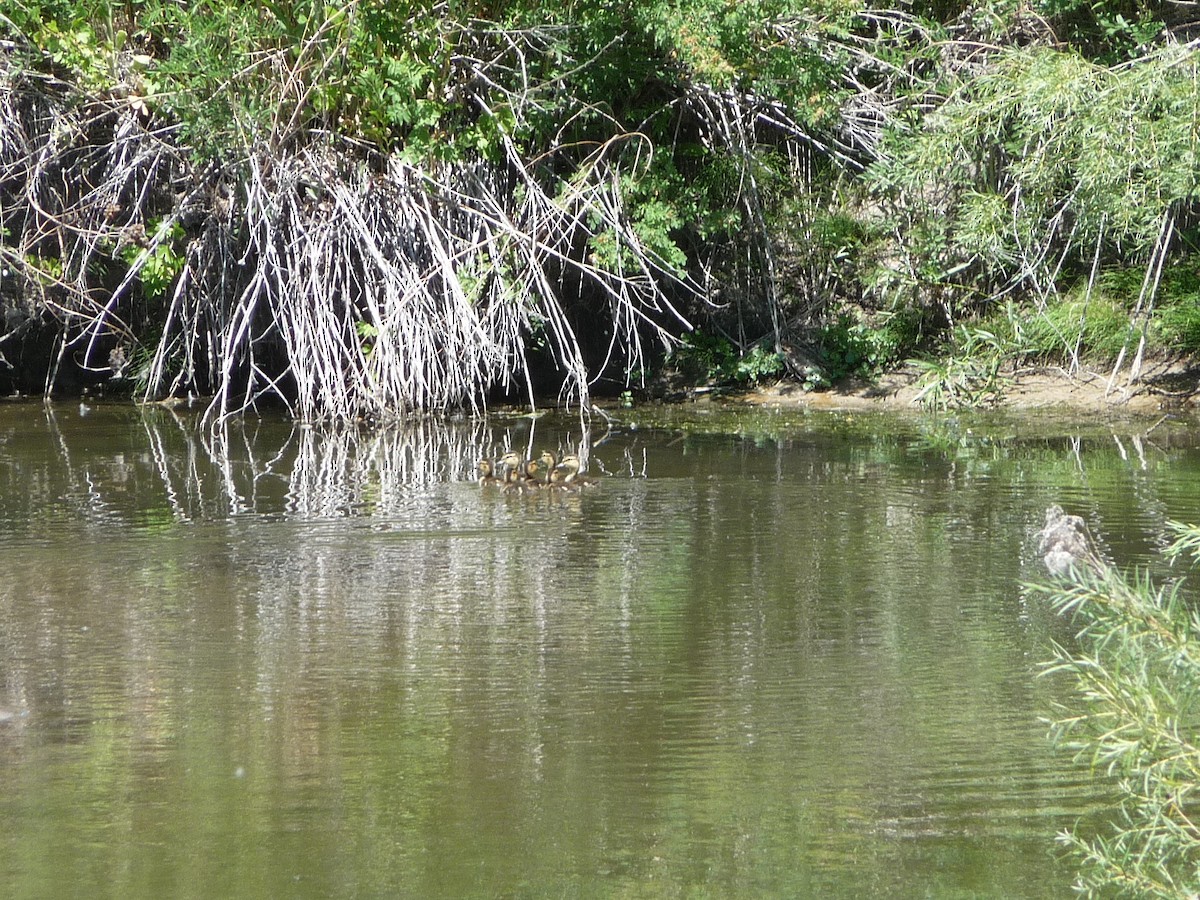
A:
(767, 655)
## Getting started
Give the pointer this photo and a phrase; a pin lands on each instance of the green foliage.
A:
(160, 267)
(984, 189)
(395, 73)
(851, 346)
(757, 364)
(655, 220)
(1137, 669)
(992, 179)
(1178, 327)
(1108, 30)
(766, 46)
(438, 84)
(47, 270)
(713, 359)
(1099, 325)
(1176, 321)
(968, 375)
(368, 337)
(78, 49)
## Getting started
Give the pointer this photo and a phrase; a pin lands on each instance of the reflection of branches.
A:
(167, 460)
(260, 467)
(343, 472)
(82, 493)
(334, 472)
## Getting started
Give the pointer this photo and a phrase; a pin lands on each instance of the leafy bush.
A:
(966, 375)
(851, 346)
(1098, 326)
(1178, 327)
(1137, 671)
(994, 192)
(709, 358)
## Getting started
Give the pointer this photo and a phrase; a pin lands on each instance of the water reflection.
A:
(790, 659)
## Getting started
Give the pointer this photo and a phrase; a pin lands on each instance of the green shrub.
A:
(852, 346)
(1136, 666)
(709, 358)
(1177, 322)
(1178, 327)
(966, 374)
(1097, 327)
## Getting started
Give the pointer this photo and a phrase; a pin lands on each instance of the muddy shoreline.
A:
(1165, 386)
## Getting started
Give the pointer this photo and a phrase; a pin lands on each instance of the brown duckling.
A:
(567, 475)
(537, 472)
(511, 462)
(517, 479)
(487, 472)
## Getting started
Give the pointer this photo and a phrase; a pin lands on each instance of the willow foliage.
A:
(395, 206)
(1038, 161)
(1137, 670)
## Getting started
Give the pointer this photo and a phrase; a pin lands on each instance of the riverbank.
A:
(1165, 385)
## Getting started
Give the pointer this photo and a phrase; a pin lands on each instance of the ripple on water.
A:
(772, 668)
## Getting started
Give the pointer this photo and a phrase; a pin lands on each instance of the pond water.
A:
(767, 654)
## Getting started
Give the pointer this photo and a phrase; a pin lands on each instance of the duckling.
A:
(517, 478)
(537, 472)
(517, 482)
(511, 462)
(566, 474)
(560, 477)
(487, 472)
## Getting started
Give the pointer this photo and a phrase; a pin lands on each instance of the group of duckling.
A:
(514, 474)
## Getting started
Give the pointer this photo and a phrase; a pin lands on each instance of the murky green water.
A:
(788, 659)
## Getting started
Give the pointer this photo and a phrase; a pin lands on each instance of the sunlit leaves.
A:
(1042, 159)
(1137, 669)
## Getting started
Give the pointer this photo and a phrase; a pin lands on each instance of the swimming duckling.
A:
(511, 462)
(517, 477)
(518, 482)
(566, 474)
(537, 472)
(487, 472)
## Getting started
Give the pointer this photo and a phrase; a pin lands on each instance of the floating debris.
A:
(1065, 545)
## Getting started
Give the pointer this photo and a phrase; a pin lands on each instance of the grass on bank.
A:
(1109, 324)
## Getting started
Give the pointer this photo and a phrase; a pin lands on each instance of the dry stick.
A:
(1049, 287)
(623, 300)
(644, 284)
(1149, 287)
(1136, 369)
(130, 151)
(566, 345)
(418, 337)
(96, 327)
(158, 362)
(1087, 296)
(454, 294)
(271, 284)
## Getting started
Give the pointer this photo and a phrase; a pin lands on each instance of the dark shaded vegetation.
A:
(373, 209)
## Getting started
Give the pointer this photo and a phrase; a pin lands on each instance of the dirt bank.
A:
(1165, 385)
